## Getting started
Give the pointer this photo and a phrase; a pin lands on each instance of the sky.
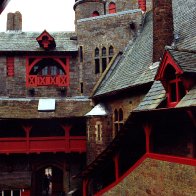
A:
(39, 15)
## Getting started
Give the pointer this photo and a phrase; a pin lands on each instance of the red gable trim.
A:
(46, 41)
(160, 157)
(167, 60)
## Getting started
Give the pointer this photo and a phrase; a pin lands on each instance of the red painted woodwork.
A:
(172, 159)
(142, 5)
(84, 187)
(116, 165)
(46, 41)
(147, 129)
(25, 193)
(10, 66)
(60, 80)
(43, 144)
(112, 8)
(176, 85)
(48, 80)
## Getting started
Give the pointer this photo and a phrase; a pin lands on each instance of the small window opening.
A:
(103, 51)
(81, 87)
(97, 52)
(118, 121)
(81, 53)
(97, 66)
(95, 13)
(104, 64)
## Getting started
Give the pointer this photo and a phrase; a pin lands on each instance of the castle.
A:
(106, 110)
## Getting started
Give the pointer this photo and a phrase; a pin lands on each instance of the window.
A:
(175, 87)
(97, 61)
(95, 13)
(48, 72)
(81, 87)
(118, 121)
(97, 52)
(10, 66)
(104, 59)
(98, 132)
(112, 8)
(111, 53)
(101, 60)
(81, 53)
(103, 51)
(104, 64)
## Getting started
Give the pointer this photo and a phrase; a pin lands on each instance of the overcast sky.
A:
(37, 15)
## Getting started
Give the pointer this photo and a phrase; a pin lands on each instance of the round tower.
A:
(88, 8)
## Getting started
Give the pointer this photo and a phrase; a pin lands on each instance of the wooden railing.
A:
(59, 80)
(43, 144)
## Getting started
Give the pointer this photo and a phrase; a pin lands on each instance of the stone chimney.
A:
(14, 21)
(162, 27)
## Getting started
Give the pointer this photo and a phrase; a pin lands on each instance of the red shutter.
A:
(10, 66)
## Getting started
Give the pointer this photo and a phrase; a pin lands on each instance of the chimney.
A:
(14, 21)
(142, 5)
(162, 27)
(10, 21)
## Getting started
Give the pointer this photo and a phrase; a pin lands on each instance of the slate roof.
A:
(133, 67)
(28, 108)
(26, 41)
(185, 59)
(184, 17)
(153, 98)
(188, 100)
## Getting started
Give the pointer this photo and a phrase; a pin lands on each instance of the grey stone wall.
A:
(103, 31)
(15, 87)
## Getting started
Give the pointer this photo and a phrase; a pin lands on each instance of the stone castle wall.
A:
(104, 31)
(127, 104)
(15, 86)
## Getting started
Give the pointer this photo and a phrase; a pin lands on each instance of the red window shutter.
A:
(10, 66)
(142, 5)
(112, 8)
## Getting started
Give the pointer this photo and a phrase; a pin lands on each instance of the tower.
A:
(103, 30)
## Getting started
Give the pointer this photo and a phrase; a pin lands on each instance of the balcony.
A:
(43, 144)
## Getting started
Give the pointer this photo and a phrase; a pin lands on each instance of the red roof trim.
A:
(160, 157)
(167, 60)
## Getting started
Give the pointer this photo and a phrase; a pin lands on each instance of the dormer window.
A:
(174, 78)
(46, 41)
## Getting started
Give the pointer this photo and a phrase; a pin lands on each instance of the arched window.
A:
(95, 13)
(104, 59)
(112, 8)
(47, 67)
(103, 51)
(97, 52)
(118, 120)
(48, 72)
(98, 132)
(97, 61)
(111, 53)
